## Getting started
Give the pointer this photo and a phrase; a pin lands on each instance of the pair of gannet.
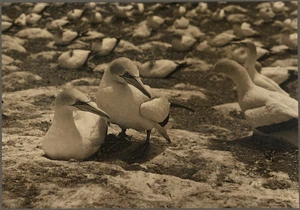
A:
(258, 79)
(131, 104)
(76, 135)
(269, 112)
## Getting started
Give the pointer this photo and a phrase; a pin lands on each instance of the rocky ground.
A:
(213, 160)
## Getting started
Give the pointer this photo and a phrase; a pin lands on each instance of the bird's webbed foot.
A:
(141, 151)
(122, 136)
(116, 143)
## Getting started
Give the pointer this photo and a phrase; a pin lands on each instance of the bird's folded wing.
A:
(272, 113)
(156, 109)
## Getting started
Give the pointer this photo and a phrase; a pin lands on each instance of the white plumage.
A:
(77, 131)
(262, 107)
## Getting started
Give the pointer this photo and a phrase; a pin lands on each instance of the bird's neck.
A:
(63, 118)
(250, 62)
(243, 82)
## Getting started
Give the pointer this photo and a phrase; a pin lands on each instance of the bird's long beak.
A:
(136, 82)
(91, 107)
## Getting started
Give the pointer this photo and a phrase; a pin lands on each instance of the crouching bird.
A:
(268, 112)
(78, 127)
(130, 103)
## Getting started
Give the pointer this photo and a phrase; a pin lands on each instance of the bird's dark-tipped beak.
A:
(91, 107)
(136, 82)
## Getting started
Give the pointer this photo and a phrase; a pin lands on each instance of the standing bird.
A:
(258, 79)
(131, 104)
(268, 112)
(77, 136)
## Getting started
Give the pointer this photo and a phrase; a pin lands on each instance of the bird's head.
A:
(125, 71)
(227, 67)
(75, 100)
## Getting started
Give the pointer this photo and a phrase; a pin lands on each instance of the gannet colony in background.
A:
(131, 104)
(269, 112)
(77, 136)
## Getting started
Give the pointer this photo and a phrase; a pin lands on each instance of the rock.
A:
(20, 78)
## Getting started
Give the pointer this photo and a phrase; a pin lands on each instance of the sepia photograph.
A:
(158, 104)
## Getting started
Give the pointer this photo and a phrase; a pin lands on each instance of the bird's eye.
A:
(126, 74)
(78, 102)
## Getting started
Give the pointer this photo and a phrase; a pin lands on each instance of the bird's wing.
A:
(90, 126)
(156, 109)
(272, 113)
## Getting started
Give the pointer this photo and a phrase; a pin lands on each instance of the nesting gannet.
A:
(267, 111)
(77, 136)
(75, 14)
(122, 11)
(258, 79)
(290, 40)
(73, 59)
(103, 47)
(33, 18)
(184, 43)
(244, 30)
(160, 68)
(52, 24)
(154, 22)
(129, 103)
(64, 37)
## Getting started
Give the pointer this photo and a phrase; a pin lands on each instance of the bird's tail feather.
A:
(162, 131)
(179, 67)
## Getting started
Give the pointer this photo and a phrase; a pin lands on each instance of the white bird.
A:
(75, 14)
(78, 127)
(221, 39)
(184, 43)
(163, 68)
(154, 22)
(258, 79)
(290, 40)
(52, 24)
(64, 37)
(269, 112)
(131, 104)
(244, 30)
(103, 47)
(73, 59)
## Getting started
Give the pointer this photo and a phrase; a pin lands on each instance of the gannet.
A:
(75, 14)
(39, 8)
(258, 79)
(130, 103)
(290, 40)
(181, 23)
(244, 30)
(103, 47)
(267, 111)
(122, 11)
(64, 37)
(77, 136)
(185, 43)
(142, 30)
(52, 24)
(163, 68)
(73, 59)
(154, 22)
